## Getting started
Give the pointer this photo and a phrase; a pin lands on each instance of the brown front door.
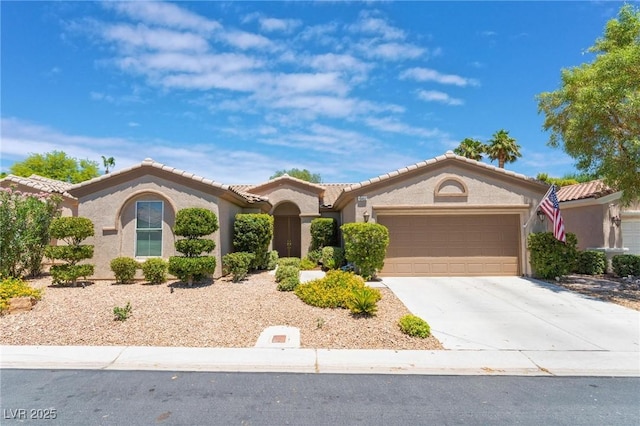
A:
(286, 238)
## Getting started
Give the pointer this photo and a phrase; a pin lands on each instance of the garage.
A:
(452, 245)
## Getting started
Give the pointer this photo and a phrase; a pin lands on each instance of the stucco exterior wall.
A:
(112, 211)
(587, 222)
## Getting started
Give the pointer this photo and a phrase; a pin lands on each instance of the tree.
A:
(72, 231)
(304, 174)
(365, 245)
(503, 148)
(595, 114)
(108, 162)
(471, 148)
(56, 165)
(193, 223)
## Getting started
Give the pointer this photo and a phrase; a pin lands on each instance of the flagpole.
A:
(536, 209)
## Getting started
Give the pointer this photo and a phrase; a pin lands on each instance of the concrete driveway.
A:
(511, 313)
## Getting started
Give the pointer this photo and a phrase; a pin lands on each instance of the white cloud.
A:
(283, 25)
(143, 37)
(182, 62)
(369, 24)
(393, 51)
(245, 40)
(436, 96)
(427, 74)
(392, 125)
(133, 124)
(165, 14)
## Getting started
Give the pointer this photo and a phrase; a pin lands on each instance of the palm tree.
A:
(503, 148)
(108, 162)
(471, 148)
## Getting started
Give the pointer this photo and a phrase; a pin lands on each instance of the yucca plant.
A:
(363, 301)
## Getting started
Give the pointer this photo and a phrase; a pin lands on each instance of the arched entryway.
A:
(286, 230)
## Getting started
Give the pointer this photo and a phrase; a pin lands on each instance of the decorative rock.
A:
(21, 304)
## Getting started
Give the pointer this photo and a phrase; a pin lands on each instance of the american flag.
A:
(551, 208)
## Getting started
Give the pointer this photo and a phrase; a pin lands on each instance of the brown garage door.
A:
(451, 245)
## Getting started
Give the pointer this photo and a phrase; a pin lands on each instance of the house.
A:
(446, 216)
(593, 212)
(35, 184)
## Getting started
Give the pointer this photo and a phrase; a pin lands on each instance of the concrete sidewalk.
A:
(458, 362)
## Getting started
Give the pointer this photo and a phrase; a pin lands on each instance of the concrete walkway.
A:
(558, 343)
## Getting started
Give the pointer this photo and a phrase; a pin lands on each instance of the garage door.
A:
(472, 245)
(631, 234)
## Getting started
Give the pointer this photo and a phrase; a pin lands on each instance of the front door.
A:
(286, 239)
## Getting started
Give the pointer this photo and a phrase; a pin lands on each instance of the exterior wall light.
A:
(541, 215)
(366, 216)
(615, 220)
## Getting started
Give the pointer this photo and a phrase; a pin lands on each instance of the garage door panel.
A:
(449, 246)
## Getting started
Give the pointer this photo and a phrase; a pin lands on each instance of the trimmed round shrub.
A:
(272, 263)
(124, 269)
(331, 291)
(315, 255)
(72, 231)
(287, 271)
(237, 264)
(195, 222)
(324, 232)
(191, 269)
(332, 257)
(306, 264)
(252, 233)
(365, 244)
(288, 284)
(69, 274)
(289, 261)
(414, 326)
(551, 258)
(155, 270)
(591, 262)
(192, 247)
(626, 264)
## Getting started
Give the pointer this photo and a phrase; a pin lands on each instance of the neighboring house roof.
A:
(154, 167)
(41, 184)
(581, 191)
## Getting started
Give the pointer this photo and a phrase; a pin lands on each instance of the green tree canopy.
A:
(595, 114)
(56, 165)
(503, 148)
(303, 174)
(471, 148)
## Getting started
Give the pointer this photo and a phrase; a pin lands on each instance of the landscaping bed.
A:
(218, 314)
(605, 287)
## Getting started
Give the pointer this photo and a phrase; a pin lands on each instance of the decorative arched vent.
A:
(451, 189)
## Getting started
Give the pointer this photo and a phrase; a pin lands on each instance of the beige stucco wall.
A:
(587, 222)
(462, 191)
(112, 211)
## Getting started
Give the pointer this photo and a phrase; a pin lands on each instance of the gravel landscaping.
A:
(624, 292)
(218, 314)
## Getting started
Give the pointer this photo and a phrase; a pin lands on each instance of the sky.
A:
(235, 91)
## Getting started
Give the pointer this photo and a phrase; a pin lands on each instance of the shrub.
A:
(155, 270)
(193, 223)
(591, 262)
(121, 314)
(289, 261)
(24, 230)
(72, 231)
(365, 244)
(16, 287)
(332, 291)
(315, 255)
(626, 264)
(272, 263)
(332, 257)
(287, 271)
(289, 284)
(414, 326)
(551, 258)
(324, 232)
(252, 233)
(237, 264)
(363, 301)
(124, 268)
(306, 264)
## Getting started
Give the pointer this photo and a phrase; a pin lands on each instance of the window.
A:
(149, 228)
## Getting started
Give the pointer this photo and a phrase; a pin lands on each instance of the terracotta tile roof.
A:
(148, 162)
(41, 184)
(580, 191)
(332, 192)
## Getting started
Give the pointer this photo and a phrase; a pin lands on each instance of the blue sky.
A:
(234, 91)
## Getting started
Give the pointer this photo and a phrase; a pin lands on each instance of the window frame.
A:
(161, 229)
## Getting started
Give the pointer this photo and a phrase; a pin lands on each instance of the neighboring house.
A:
(35, 184)
(446, 216)
(593, 212)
